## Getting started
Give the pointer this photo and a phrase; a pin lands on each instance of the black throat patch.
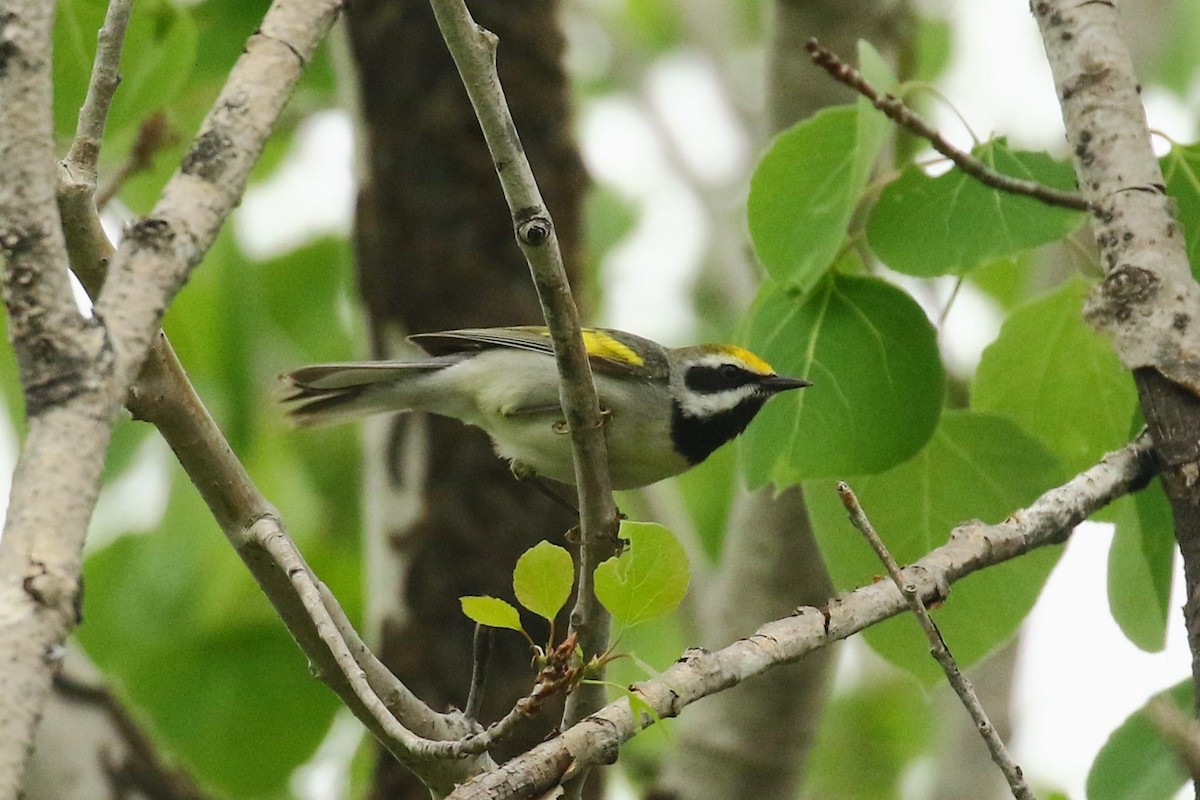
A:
(695, 438)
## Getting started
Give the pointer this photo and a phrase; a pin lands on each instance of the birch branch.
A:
(76, 372)
(698, 673)
(63, 360)
(1148, 302)
(474, 52)
(164, 396)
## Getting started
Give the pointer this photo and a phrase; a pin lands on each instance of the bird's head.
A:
(716, 391)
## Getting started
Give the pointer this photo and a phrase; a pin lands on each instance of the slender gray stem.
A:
(474, 53)
(938, 649)
(481, 655)
(93, 116)
(905, 117)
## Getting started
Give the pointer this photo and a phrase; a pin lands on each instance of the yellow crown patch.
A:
(752, 361)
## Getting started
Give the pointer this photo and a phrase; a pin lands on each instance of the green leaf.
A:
(1173, 62)
(156, 59)
(976, 466)
(877, 380)
(887, 724)
(1059, 380)
(1010, 281)
(220, 349)
(1136, 763)
(542, 579)
(174, 619)
(932, 47)
(805, 189)
(491, 611)
(305, 293)
(76, 25)
(638, 707)
(708, 492)
(875, 69)
(649, 578)
(948, 225)
(1139, 567)
(1181, 171)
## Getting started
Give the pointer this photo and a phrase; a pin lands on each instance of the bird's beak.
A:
(781, 383)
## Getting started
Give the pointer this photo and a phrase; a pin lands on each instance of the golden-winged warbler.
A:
(665, 409)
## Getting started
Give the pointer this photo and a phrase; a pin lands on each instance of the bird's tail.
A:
(324, 394)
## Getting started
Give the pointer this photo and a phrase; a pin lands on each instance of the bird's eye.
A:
(714, 378)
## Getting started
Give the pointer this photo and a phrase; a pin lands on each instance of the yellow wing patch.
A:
(599, 344)
(752, 361)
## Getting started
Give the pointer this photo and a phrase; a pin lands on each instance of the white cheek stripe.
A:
(695, 404)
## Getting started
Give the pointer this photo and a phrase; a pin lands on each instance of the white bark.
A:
(76, 373)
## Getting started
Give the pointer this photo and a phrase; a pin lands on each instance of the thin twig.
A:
(908, 119)
(938, 648)
(699, 673)
(143, 770)
(481, 656)
(93, 115)
(474, 53)
(559, 673)
(399, 699)
(1181, 732)
(154, 134)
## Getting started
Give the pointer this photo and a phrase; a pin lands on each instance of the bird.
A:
(664, 410)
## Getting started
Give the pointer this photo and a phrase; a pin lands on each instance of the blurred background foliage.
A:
(182, 632)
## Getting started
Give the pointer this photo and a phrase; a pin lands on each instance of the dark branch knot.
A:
(535, 231)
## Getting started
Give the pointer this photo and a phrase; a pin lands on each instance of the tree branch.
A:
(62, 359)
(1181, 732)
(124, 755)
(474, 53)
(77, 372)
(1148, 301)
(906, 118)
(699, 673)
(481, 656)
(84, 154)
(938, 649)
(164, 396)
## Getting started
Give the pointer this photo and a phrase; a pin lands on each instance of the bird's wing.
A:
(614, 352)
(475, 339)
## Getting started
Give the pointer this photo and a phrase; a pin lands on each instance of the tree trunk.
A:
(435, 250)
